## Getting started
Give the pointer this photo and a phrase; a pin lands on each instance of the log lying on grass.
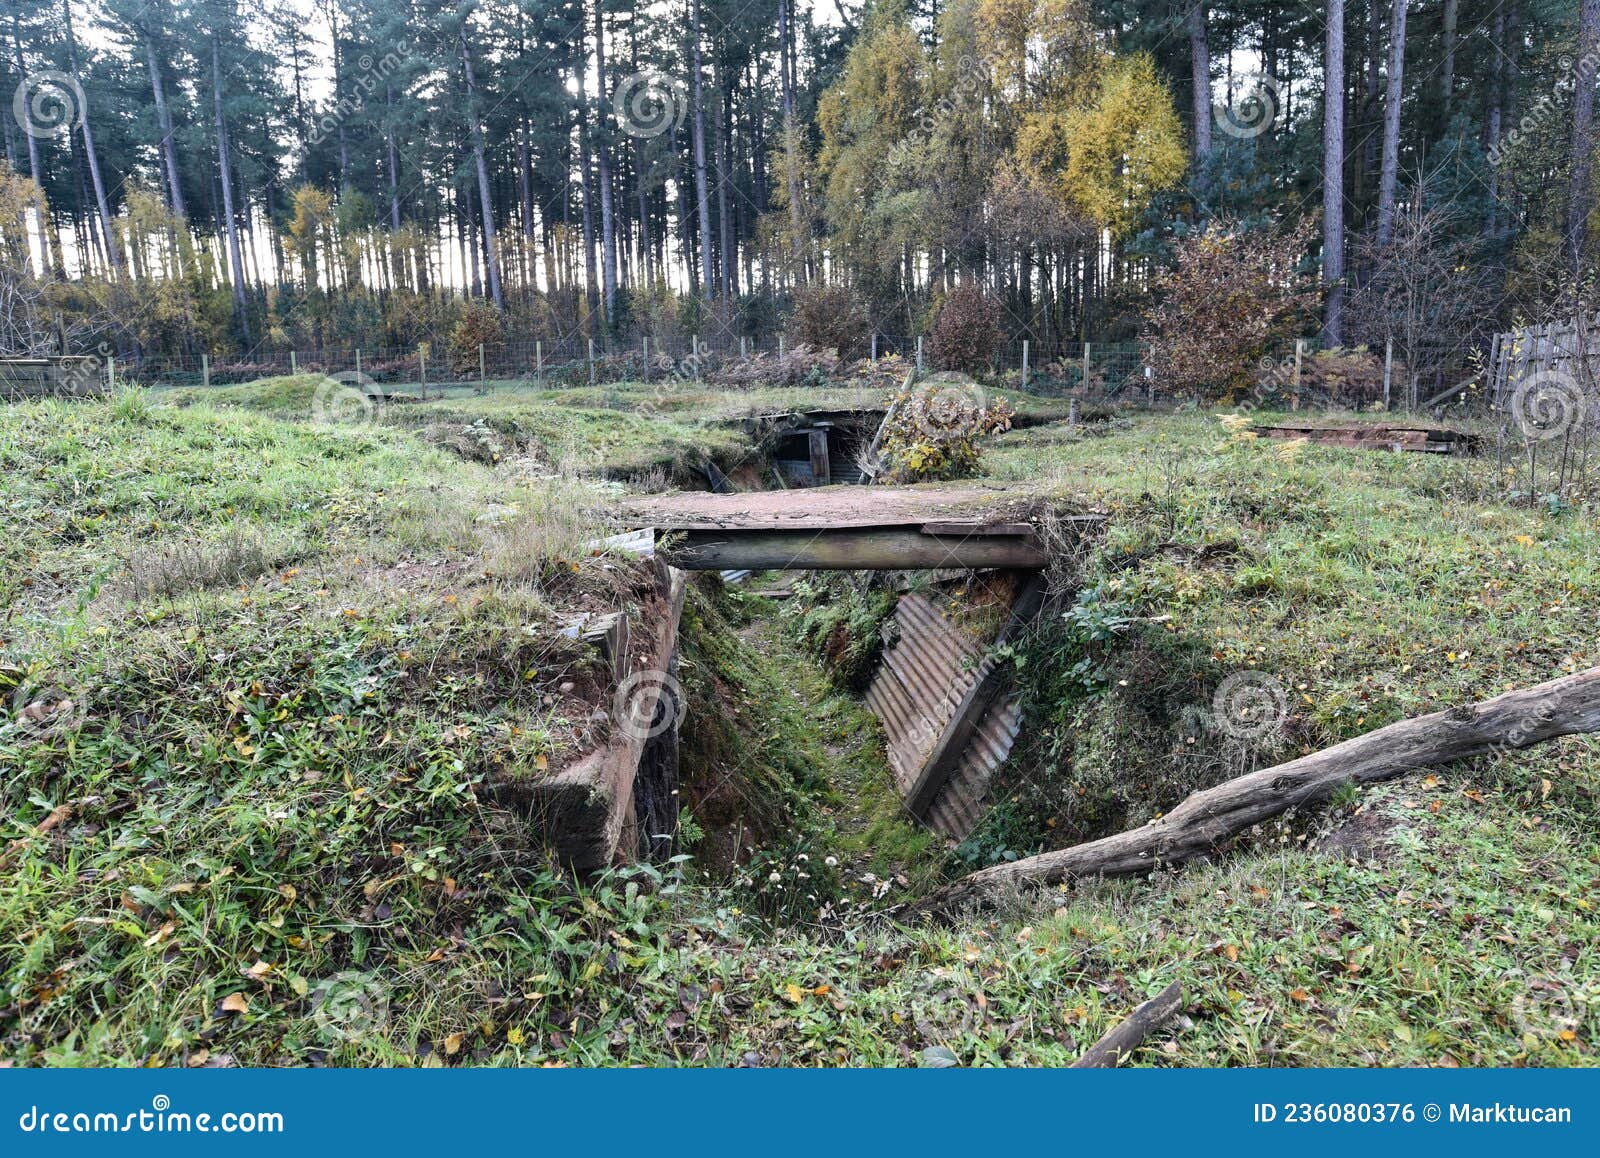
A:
(1206, 820)
(1128, 1034)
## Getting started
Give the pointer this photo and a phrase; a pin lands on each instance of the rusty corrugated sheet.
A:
(921, 682)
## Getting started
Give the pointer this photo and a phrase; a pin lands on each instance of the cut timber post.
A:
(848, 549)
(1024, 363)
(1388, 374)
(1114, 1047)
(205, 369)
(821, 471)
(1206, 820)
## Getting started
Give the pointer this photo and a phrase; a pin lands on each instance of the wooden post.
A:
(1086, 367)
(482, 377)
(422, 365)
(695, 355)
(874, 355)
(538, 360)
(205, 369)
(111, 371)
(591, 362)
(919, 353)
(646, 342)
(742, 353)
(780, 345)
(1024, 363)
(1299, 351)
(358, 359)
(821, 471)
(294, 363)
(1388, 373)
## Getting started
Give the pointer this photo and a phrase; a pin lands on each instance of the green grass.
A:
(302, 656)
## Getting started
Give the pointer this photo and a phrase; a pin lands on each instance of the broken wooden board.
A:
(587, 809)
(1415, 439)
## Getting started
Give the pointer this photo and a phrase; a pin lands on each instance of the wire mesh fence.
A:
(1293, 373)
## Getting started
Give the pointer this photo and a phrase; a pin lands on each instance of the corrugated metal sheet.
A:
(922, 681)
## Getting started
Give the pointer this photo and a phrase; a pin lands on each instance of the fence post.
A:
(1024, 363)
(205, 369)
(1388, 372)
(111, 371)
(422, 366)
(646, 341)
(742, 353)
(919, 353)
(1086, 367)
(1299, 346)
(482, 378)
(591, 362)
(538, 360)
(780, 345)
(294, 362)
(695, 356)
(358, 359)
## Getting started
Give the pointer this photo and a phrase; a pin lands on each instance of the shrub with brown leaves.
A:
(1232, 297)
(966, 333)
(828, 317)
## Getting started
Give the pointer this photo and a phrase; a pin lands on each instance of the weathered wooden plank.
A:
(847, 549)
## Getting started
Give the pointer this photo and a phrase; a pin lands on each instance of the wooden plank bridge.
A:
(848, 528)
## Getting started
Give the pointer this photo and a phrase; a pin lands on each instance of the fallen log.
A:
(1207, 819)
(1126, 1037)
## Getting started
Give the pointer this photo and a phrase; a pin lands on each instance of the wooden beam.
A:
(847, 549)
(1206, 820)
(1116, 1046)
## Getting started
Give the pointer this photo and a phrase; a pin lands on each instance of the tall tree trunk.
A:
(235, 255)
(1492, 122)
(1389, 172)
(791, 142)
(608, 217)
(49, 242)
(1333, 177)
(1447, 70)
(113, 250)
(726, 245)
(168, 147)
(1200, 66)
(491, 256)
(591, 280)
(1580, 197)
(702, 192)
